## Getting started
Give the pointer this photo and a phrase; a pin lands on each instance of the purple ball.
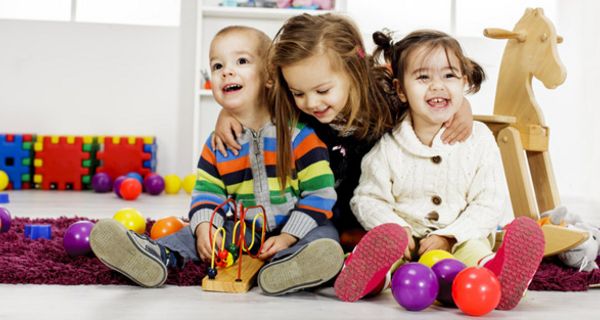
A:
(445, 271)
(154, 184)
(5, 219)
(101, 182)
(117, 185)
(414, 286)
(77, 238)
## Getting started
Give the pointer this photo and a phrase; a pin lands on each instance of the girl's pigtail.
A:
(475, 75)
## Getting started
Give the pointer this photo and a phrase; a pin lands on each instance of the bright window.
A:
(139, 12)
(55, 10)
(144, 12)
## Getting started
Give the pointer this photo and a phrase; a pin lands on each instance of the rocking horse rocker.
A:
(518, 123)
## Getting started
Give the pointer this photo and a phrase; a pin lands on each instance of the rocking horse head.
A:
(535, 40)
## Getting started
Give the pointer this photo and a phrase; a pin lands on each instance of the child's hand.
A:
(411, 244)
(435, 242)
(460, 126)
(275, 244)
(203, 244)
(227, 129)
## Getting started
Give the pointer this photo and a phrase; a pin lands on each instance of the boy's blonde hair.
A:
(371, 107)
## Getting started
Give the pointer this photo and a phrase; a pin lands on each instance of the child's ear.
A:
(401, 94)
(269, 84)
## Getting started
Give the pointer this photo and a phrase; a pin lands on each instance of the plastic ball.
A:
(117, 185)
(136, 176)
(5, 219)
(101, 182)
(445, 272)
(189, 182)
(172, 184)
(3, 180)
(131, 219)
(476, 291)
(76, 240)
(165, 226)
(414, 286)
(154, 184)
(430, 258)
(130, 189)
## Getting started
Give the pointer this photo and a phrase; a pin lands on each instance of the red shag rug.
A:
(46, 262)
(553, 275)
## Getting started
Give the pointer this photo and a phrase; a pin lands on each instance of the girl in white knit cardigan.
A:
(418, 194)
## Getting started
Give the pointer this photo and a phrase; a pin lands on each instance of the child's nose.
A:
(227, 71)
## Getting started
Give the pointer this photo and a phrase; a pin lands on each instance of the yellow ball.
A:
(172, 184)
(131, 219)
(432, 257)
(3, 180)
(189, 182)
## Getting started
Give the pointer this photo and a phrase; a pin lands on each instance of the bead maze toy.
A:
(121, 155)
(16, 154)
(64, 162)
(231, 278)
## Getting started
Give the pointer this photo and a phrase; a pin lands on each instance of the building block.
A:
(16, 155)
(121, 155)
(64, 162)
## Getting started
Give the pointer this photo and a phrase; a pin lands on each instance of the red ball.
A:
(130, 189)
(476, 291)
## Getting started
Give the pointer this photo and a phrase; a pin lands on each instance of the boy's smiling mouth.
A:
(232, 87)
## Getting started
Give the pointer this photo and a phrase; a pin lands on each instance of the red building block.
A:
(120, 155)
(59, 162)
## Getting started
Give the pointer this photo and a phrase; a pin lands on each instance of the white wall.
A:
(91, 79)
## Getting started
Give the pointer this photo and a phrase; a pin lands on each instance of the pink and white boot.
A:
(366, 268)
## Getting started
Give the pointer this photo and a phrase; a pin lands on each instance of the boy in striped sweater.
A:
(301, 244)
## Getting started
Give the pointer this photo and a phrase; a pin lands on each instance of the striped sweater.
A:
(251, 179)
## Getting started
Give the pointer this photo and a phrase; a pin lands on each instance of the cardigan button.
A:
(436, 159)
(436, 200)
(433, 216)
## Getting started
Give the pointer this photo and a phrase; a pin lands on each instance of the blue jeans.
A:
(184, 241)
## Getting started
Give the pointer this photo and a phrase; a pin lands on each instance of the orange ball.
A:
(130, 189)
(166, 226)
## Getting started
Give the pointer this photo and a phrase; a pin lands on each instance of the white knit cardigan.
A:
(454, 190)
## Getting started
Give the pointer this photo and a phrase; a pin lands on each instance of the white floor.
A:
(170, 302)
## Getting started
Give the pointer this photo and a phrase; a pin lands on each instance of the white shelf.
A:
(205, 93)
(255, 13)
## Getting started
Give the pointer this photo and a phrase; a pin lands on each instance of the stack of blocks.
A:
(120, 155)
(69, 162)
(64, 162)
(16, 154)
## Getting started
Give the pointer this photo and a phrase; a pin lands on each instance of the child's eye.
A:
(422, 77)
(216, 66)
(322, 91)
(297, 94)
(243, 61)
(451, 75)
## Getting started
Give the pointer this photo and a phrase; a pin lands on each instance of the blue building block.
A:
(16, 154)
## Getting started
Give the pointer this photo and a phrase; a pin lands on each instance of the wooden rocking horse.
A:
(518, 123)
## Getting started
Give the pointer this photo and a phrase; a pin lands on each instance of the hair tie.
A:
(360, 52)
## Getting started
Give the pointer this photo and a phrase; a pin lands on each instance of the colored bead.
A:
(212, 273)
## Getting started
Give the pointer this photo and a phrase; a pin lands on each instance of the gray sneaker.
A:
(311, 266)
(135, 256)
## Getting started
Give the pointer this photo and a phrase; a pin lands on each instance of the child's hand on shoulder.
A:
(460, 126)
(434, 242)
(203, 244)
(275, 244)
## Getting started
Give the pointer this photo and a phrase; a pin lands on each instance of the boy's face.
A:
(319, 89)
(433, 86)
(236, 70)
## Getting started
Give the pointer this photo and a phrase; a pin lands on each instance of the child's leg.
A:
(517, 260)
(367, 266)
(472, 251)
(312, 261)
(136, 256)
